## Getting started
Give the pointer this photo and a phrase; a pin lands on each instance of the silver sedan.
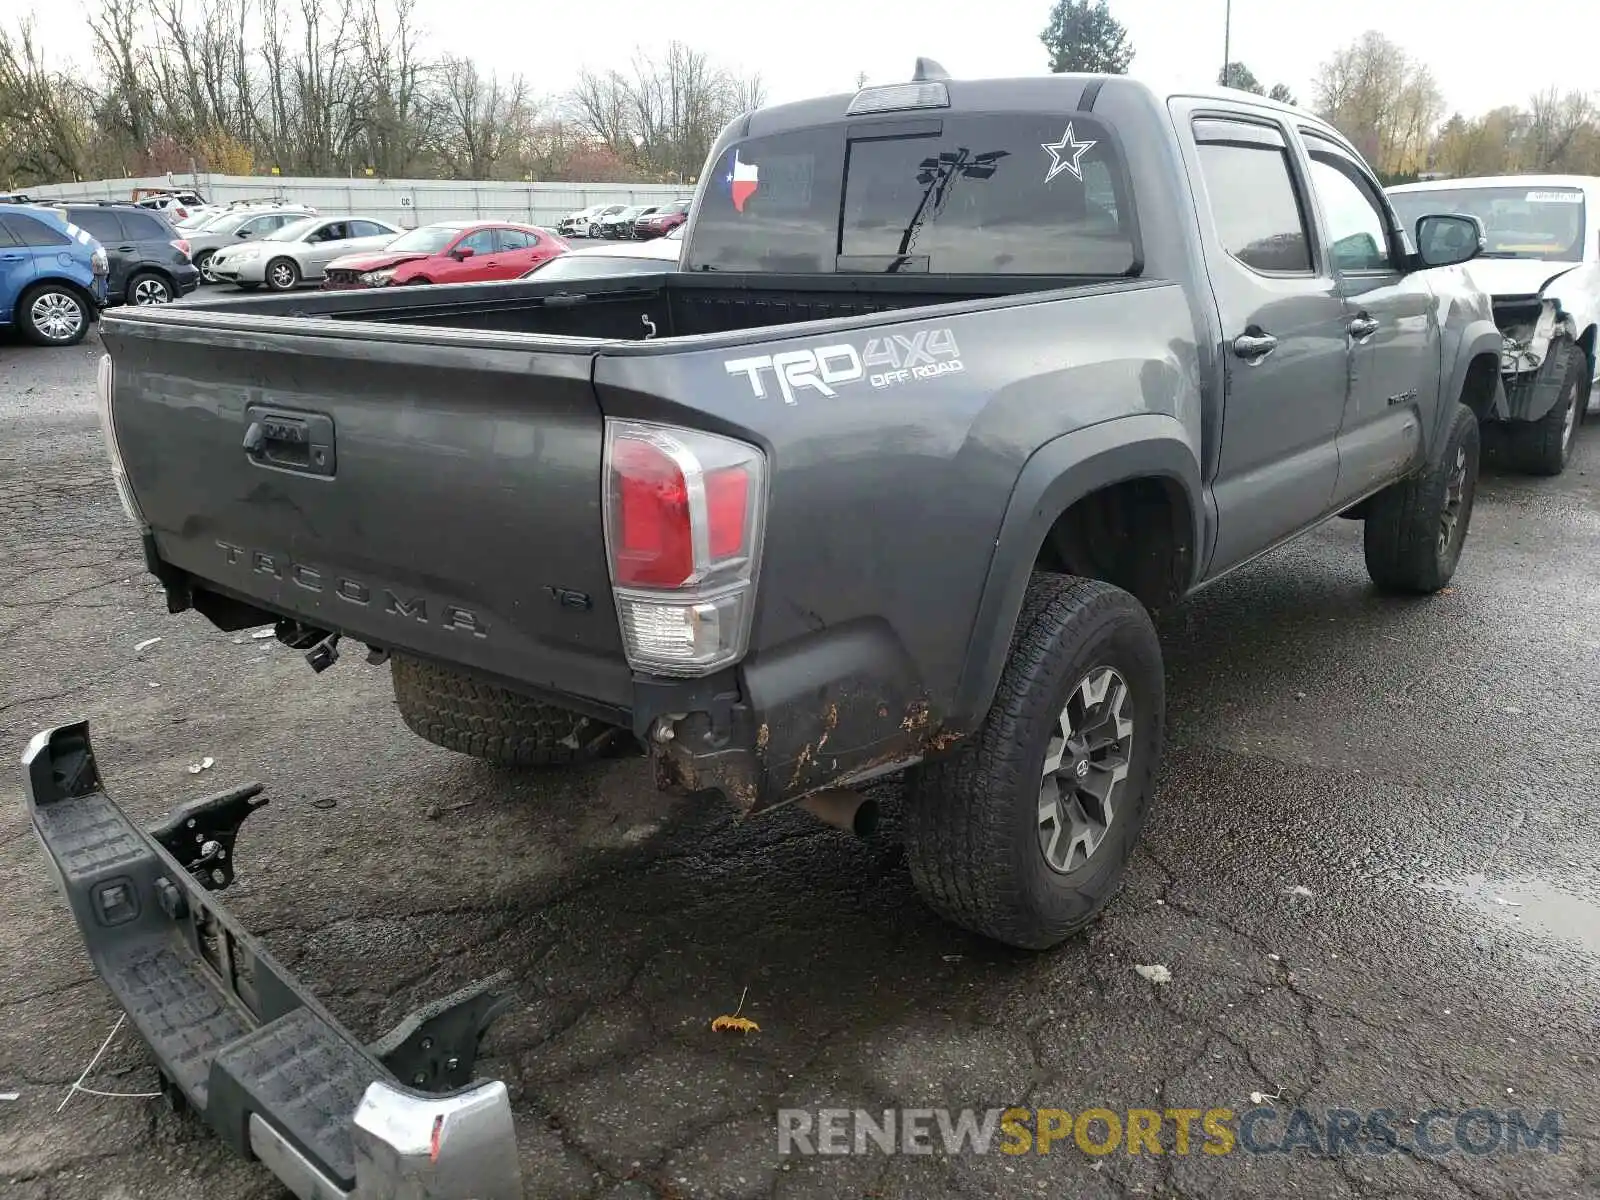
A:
(300, 251)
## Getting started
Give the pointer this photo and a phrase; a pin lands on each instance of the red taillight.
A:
(683, 518)
(655, 543)
(727, 502)
(182, 246)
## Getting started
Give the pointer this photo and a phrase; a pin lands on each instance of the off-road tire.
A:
(493, 723)
(1544, 447)
(972, 816)
(1404, 543)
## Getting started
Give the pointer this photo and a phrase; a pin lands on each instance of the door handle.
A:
(126, 249)
(1253, 347)
(1363, 327)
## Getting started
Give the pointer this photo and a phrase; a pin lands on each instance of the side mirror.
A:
(462, 253)
(1446, 239)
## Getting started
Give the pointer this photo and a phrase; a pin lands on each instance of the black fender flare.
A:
(1058, 475)
(1479, 338)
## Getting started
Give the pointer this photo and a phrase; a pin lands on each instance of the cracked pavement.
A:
(1350, 783)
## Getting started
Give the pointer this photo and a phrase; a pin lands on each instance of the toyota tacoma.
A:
(957, 382)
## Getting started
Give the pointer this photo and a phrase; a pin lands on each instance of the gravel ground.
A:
(1371, 874)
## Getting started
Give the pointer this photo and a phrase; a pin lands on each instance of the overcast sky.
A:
(1484, 53)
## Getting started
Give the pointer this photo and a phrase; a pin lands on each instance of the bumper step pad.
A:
(236, 1037)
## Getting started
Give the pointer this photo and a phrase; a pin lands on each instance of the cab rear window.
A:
(1008, 194)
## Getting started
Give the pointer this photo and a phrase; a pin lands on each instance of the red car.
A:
(448, 252)
(661, 222)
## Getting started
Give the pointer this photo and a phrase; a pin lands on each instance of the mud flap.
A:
(235, 1036)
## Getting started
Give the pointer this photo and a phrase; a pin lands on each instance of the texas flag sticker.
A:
(741, 180)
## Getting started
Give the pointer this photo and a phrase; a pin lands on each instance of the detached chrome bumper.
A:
(235, 1036)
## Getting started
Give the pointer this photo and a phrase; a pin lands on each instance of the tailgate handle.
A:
(289, 441)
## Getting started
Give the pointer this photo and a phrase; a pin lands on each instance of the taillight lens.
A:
(182, 246)
(683, 516)
(104, 386)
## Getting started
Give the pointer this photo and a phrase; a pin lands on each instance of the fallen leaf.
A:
(734, 1023)
(1298, 890)
(1155, 973)
(262, 635)
(145, 645)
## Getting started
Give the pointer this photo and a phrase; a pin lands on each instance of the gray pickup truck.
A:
(957, 381)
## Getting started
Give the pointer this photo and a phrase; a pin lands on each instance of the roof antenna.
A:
(928, 69)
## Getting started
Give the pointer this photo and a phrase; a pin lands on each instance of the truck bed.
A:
(671, 304)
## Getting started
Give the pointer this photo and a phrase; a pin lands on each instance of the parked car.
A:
(175, 205)
(596, 262)
(448, 252)
(620, 223)
(662, 221)
(299, 251)
(52, 275)
(149, 261)
(832, 513)
(229, 228)
(1541, 265)
(578, 224)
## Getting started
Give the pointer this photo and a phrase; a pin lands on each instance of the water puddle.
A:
(1530, 904)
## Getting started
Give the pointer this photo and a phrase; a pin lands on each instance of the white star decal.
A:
(1064, 155)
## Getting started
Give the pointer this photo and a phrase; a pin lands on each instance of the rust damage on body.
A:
(844, 736)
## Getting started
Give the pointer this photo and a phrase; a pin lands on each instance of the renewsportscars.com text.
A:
(1265, 1129)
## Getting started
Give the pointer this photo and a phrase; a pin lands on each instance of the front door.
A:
(327, 244)
(1392, 327)
(1284, 347)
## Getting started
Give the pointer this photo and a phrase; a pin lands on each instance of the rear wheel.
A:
(1544, 447)
(282, 274)
(1416, 528)
(490, 722)
(53, 314)
(1023, 832)
(147, 288)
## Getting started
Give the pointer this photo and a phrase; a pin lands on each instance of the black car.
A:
(149, 260)
(620, 224)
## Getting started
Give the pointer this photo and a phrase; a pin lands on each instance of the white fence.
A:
(406, 202)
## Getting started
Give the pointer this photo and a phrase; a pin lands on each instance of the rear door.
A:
(369, 235)
(326, 243)
(104, 226)
(1285, 353)
(1394, 334)
(515, 251)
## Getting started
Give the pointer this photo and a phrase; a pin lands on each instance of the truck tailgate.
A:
(433, 498)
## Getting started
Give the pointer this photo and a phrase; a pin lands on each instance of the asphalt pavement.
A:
(1370, 875)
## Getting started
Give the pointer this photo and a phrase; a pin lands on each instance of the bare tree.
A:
(1384, 101)
(483, 119)
(45, 114)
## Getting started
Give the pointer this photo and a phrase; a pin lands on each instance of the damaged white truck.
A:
(1541, 266)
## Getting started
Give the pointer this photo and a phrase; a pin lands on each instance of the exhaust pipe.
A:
(843, 809)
